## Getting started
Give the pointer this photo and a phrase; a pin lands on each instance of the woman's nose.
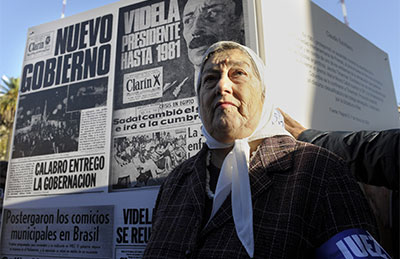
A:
(224, 85)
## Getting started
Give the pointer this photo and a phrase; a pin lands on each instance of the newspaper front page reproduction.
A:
(60, 150)
(60, 142)
(107, 109)
(155, 121)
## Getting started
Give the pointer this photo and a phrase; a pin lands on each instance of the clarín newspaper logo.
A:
(39, 45)
(143, 85)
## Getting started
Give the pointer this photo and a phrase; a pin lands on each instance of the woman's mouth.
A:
(224, 105)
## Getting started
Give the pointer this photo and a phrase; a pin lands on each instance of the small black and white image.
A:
(146, 159)
(44, 126)
(88, 94)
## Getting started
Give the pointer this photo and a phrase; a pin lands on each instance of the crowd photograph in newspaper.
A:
(43, 125)
(146, 159)
(48, 122)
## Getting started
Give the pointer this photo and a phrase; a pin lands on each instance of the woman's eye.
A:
(208, 80)
(238, 73)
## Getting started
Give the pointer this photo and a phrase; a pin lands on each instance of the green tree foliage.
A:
(8, 101)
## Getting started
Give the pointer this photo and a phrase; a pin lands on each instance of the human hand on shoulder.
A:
(291, 125)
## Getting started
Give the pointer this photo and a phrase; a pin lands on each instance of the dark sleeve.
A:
(343, 204)
(373, 156)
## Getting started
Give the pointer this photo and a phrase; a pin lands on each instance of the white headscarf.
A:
(234, 175)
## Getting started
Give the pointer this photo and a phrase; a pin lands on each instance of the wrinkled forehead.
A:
(229, 57)
(193, 5)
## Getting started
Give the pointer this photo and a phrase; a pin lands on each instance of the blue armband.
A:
(351, 243)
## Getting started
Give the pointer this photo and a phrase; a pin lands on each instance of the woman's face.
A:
(230, 96)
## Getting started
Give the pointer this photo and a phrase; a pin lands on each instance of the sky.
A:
(376, 20)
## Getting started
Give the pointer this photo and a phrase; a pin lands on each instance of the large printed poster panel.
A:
(70, 147)
(71, 232)
(337, 80)
(141, 58)
(60, 142)
(159, 49)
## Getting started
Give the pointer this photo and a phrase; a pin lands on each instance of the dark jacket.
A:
(373, 156)
(302, 195)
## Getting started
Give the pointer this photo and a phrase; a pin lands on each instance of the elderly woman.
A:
(252, 191)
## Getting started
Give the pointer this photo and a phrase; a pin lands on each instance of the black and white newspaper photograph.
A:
(44, 126)
(87, 94)
(160, 45)
(146, 159)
